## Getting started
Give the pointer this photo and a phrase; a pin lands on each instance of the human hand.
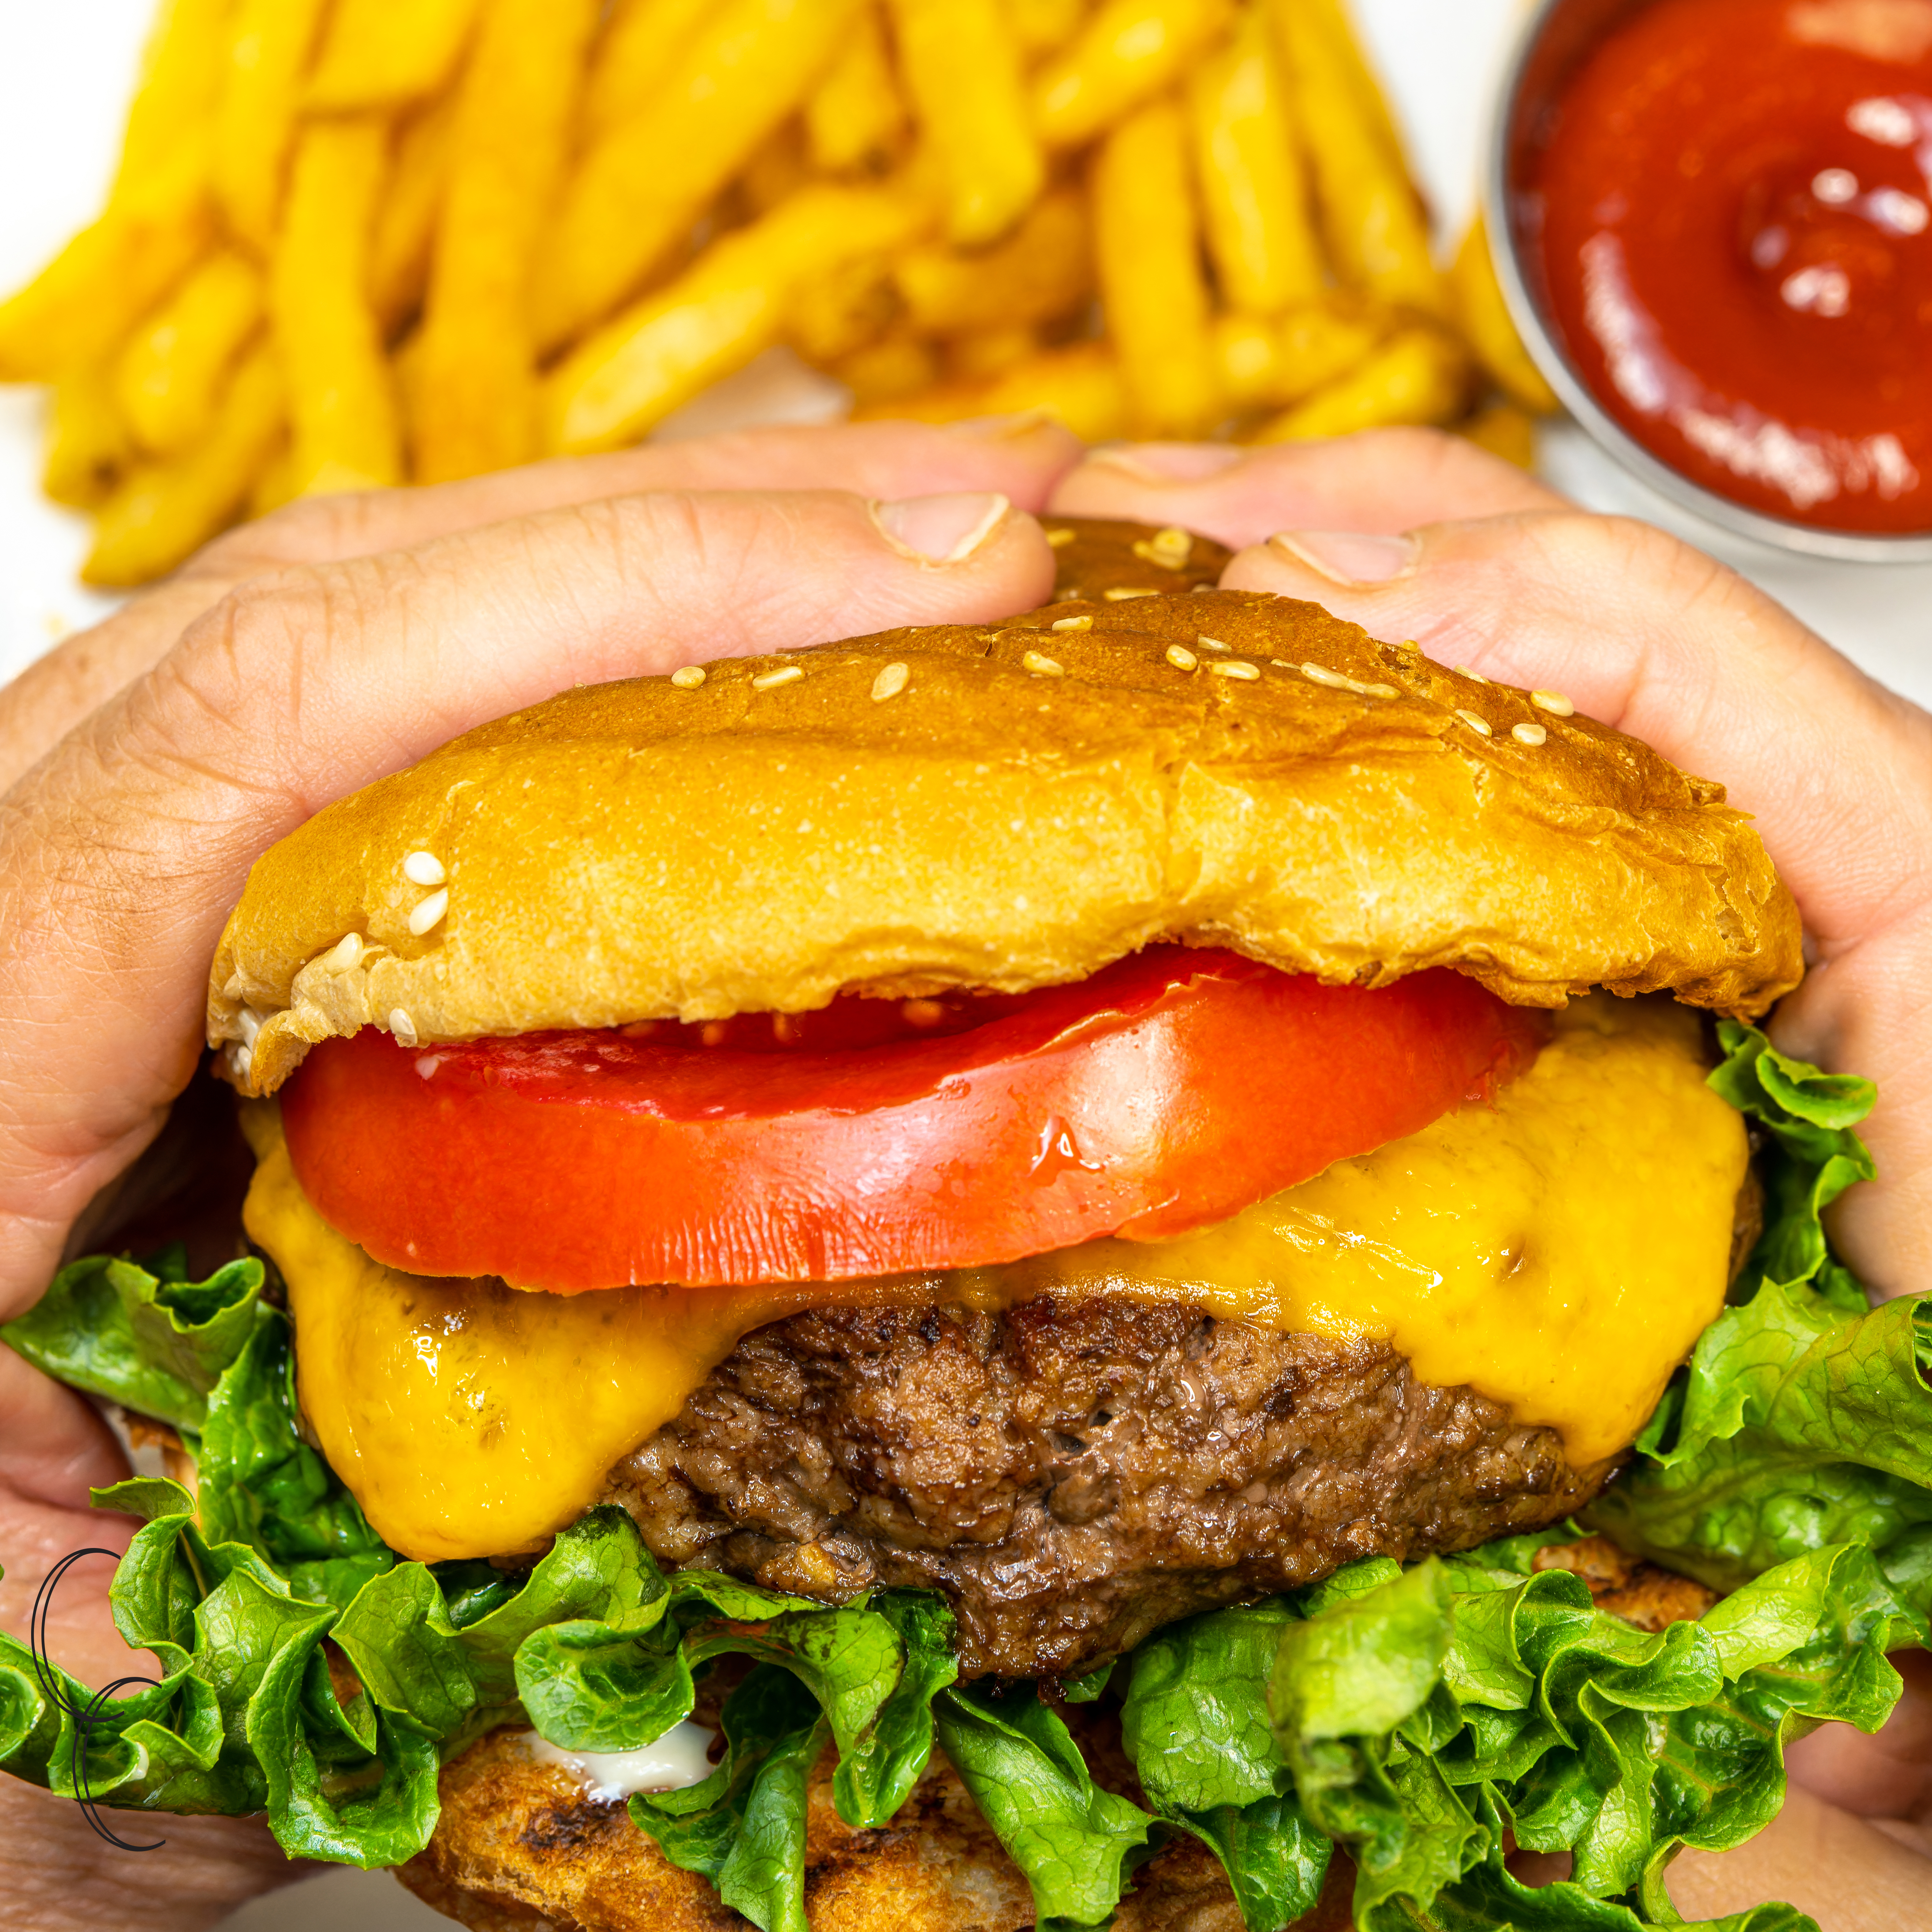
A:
(151, 759)
(1416, 536)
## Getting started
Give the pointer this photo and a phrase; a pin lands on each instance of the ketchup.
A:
(1736, 204)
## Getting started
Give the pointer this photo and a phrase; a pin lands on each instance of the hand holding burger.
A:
(1086, 661)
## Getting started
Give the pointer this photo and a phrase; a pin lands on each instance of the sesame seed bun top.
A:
(1005, 807)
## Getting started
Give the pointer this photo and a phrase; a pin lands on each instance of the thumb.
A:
(1652, 637)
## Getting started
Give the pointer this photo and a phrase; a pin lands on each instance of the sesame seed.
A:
(251, 1025)
(1480, 726)
(714, 1032)
(1553, 702)
(1060, 539)
(890, 682)
(1120, 594)
(429, 912)
(687, 677)
(344, 954)
(423, 868)
(1181, 658)
(770, 680)
(1237, 668)
(1528, 734)
(1317, 673)
(1073, 623)
(1041, 666)
(1170, 549)
(1208, 643)
(1474, 676)
(402, 1028)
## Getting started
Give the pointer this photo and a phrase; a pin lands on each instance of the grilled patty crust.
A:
(1078, 1470)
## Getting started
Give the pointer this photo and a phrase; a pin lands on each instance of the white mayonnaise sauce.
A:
(676, 1759)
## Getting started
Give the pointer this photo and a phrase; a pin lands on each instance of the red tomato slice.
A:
(877, 1137)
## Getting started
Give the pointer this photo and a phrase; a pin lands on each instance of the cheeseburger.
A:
(1141, 1263)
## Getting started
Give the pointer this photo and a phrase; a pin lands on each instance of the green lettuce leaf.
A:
(1075, 1843)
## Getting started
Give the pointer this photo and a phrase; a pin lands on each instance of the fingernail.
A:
(1350, 556)
(945, 529)
(1169, 462)
(999, 429)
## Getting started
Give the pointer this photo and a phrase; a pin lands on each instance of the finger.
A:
(1849, 1875)
(1653, 638)
(1018, 456)
(1888, 1775)
(57, 1877)
(1388, 479)
(121, 853)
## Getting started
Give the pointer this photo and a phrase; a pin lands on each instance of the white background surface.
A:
(66, 69)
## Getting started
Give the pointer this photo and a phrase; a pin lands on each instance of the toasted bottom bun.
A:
(520, 1847)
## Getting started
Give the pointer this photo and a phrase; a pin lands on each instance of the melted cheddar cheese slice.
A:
(1559, 1252)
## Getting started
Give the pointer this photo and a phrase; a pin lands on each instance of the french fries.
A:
(88, 443)
(639, 41)
(1485, 319)
(169, 378)
(355, 242)
(1041, 271)
(1127, 53)
(1149, 252)
(344, 433)
(269, 42)
(1260, 228)
(714, 319)
(753, 63)
(1421, 376)
(962, 69)
(477, 400)
(386, 53)
(162, 512)
(407, 212)
(1371, 213)
(855, 114)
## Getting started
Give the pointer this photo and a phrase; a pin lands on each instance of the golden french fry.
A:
(1125, 55)
(386, 53)
(1147, 243)
(168, 380)
(1487, 327)
(162, 512)
(1271, 362)
(1261, 226)
(730, 305)
(87, 444)
(1371, 213)
(962, 70)
(1080, 385)
(991, 352)
(269, 43)
(1331, 18)
(641, 187)
(275, 484)
(836, 313)
(855, 113)
(899, 363)
(1041, 271)
(477, 406)
(407, 217)
(1421, 376)
(177, 92)
(632, 56)
(778, 170)
(80, 307)
(1503, 429)
(343, 424)
(1042, 26)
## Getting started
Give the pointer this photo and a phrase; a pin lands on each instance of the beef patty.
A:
(1078, 1471)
